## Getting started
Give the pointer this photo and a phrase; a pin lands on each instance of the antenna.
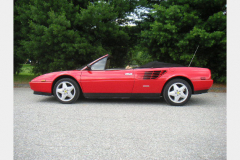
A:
(193, 56)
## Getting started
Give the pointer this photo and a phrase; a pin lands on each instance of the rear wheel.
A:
(66, 90)
(177, 92)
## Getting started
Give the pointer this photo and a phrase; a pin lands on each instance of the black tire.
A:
(66, 90)
(177, 92)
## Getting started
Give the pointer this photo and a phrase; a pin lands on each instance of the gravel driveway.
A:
(119, 129)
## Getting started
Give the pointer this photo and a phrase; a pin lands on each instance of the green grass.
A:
(26, 70)
(22, 79)
(25, 76)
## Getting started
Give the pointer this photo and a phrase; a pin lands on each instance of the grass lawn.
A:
(25, 76)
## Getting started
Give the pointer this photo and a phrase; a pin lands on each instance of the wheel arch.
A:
(65, 76)
(179, 77)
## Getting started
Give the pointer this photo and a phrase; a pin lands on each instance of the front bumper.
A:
(44, 87)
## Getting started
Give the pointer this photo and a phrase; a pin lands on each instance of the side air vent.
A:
(153, 74)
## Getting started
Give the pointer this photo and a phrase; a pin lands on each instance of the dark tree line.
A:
(65, 34)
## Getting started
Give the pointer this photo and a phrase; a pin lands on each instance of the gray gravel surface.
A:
(119, 129)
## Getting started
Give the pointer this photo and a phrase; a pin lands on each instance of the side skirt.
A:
(122, 95)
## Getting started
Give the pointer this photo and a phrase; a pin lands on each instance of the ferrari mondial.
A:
(173, 82)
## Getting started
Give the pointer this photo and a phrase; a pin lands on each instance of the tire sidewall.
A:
(77, 90)
(166, 87)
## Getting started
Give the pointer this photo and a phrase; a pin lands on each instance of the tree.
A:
(179, 26)
(19, 55)
(100, 27)
(66, 34)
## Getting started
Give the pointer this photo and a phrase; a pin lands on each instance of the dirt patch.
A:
(21, 85)
(219, 88)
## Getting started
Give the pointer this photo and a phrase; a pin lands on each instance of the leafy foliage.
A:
(65, 34)
(180, 26)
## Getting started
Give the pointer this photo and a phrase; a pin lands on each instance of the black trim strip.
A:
(201, 91)
(42, 93)
(121, 95)
(145, 95)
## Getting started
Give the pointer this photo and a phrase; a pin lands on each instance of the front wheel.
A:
(66, 90)
(177, 92)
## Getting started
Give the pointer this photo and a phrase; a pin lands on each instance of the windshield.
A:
(80, 68)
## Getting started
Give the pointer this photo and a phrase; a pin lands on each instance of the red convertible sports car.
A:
(174, 82)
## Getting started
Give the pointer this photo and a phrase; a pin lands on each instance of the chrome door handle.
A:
(128, 74)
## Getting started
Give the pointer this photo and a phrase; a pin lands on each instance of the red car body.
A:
(118, 83)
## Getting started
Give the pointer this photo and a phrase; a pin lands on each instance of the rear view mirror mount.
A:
(89, 67)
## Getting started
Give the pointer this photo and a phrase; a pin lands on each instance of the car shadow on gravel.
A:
(125, 101)
(194, 101)
(53, 100)
(197, 101)
(47, 99)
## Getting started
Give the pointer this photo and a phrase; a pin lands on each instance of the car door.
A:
(99, 82)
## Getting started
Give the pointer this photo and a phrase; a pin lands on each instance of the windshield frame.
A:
(84, 67)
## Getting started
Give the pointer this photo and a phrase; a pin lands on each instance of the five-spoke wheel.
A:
(177, 92)
(66, 90)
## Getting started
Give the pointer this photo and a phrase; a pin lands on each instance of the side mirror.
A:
(88, 67)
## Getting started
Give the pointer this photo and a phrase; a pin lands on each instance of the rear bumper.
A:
(202, 86)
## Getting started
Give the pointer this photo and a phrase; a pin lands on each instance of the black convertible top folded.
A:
(156, 64)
